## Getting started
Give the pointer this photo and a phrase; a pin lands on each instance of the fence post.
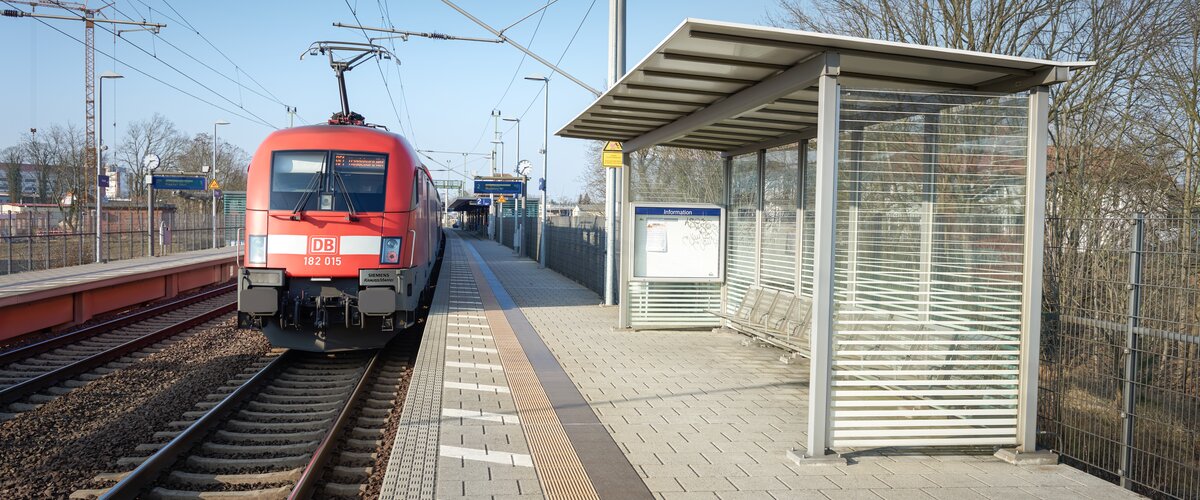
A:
(1129, 401)
(46, 229)
(9, 239)
(29, 237)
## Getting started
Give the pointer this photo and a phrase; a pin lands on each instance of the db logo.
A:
(322, 244)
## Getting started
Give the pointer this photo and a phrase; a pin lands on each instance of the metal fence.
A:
(37, 241)
(575, 248)
(1120, 357)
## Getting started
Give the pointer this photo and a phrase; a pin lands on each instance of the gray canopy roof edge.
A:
(734, 88)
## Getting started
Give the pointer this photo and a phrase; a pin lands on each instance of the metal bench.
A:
(778, 318)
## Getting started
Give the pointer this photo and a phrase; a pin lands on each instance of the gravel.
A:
(59, 447)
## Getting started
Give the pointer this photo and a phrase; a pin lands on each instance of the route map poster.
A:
(677, 243)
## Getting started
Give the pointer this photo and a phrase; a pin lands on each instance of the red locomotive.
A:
(343, 230)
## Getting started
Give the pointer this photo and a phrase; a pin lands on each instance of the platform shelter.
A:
(891, 195)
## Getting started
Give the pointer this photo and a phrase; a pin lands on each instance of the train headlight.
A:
(257, 249)
(389, 251)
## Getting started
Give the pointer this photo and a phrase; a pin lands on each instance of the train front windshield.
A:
(341, 181)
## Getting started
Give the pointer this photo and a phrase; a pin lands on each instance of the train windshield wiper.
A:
(308, 191)
(353, 216)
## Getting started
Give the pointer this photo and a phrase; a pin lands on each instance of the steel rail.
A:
(149, 471)
(49, 379)
(320, 457)
(112, 324)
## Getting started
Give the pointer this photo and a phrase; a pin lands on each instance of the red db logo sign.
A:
(322, 244)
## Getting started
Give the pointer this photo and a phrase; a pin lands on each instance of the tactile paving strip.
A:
(559, 469)
(412, 467)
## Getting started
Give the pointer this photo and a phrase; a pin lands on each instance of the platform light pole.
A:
(545, 154)
(213, 176)
(518, 219)
(100, 158)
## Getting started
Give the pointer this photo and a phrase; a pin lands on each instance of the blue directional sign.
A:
(498, 187)
(180, 182)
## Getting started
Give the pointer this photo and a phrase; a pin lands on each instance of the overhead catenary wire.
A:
(517, 70)
(391, 100)
(150, 76)
(257, 119)
(209, 67)
(182, 20)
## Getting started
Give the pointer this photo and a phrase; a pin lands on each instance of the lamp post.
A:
(212, 177)
(545, 147)
(100, 158)
(520, 219)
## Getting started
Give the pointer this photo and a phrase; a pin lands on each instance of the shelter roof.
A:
(730, 87)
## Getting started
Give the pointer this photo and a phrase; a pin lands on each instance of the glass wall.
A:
(781, 168)
(741, 257)
(929, 266)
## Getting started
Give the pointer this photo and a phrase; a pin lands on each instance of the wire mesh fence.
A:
(33, 241)
(575, 248)
(1120, 356)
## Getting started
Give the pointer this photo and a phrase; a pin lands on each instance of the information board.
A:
(497, 187)
(678, 243)
(180, 182)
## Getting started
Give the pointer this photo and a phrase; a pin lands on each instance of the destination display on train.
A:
(360, 160)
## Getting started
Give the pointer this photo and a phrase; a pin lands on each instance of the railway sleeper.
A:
(265, 427)
(260, 416)
(342, 490)
(365, 433)
(259, 449)
(290, 408)
(191, 478)
(304, 391)
(217, 465)
(336, 397)
(235, 437)
(160, 493)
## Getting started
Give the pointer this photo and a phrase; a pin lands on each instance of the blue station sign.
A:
(498, 187)
(179, 182)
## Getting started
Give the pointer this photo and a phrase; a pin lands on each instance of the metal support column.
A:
(821, 338)
(1035, 234)
(616, 69)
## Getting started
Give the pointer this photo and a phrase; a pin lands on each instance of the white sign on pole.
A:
(678, 243)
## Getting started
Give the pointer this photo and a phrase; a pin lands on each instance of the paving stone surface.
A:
(707, 415)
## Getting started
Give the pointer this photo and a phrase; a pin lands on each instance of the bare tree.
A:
(156, 135)
(13, 157)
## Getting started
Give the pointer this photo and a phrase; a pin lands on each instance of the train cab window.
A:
(362, 177)
(328, 180)
(294, 173)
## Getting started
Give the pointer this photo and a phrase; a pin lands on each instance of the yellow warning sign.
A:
(611, 156)
(214, 185)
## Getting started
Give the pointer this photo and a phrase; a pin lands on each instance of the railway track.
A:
(38, 373)
(297, 425)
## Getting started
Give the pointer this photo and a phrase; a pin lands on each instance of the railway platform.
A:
(61, 297)
(523, 388)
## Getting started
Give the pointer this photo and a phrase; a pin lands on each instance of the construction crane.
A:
(88, 16)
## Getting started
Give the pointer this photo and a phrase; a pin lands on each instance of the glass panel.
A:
(292, 174)
(779, 217)
(673, 175)
(929, 267)
(807, 222)
(742, 219)
(362, 176)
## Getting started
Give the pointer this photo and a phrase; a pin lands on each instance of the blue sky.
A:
(443, 91)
